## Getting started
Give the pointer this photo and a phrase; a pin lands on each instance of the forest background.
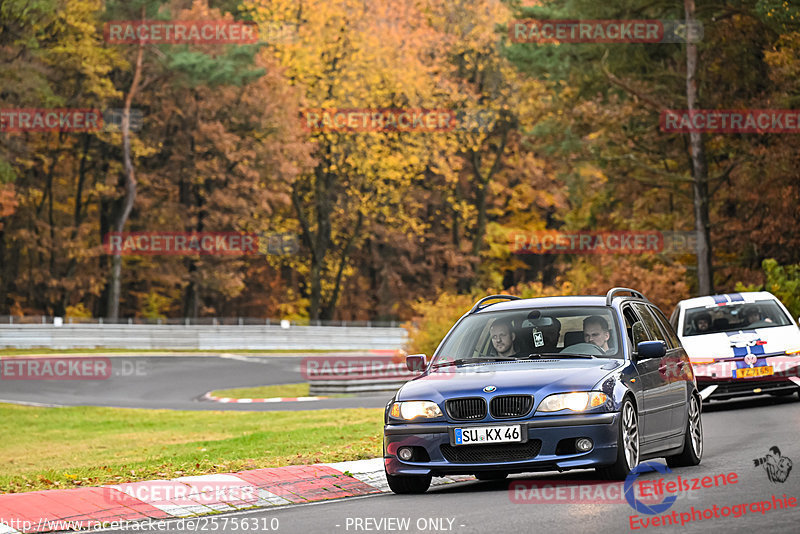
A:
(391, 225)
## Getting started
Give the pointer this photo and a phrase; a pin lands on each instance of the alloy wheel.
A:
(630, 435)
(695, 428)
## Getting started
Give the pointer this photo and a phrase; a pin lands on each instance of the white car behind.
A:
(740, 344)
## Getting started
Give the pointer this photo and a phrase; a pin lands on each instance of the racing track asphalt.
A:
(178, 383)
(736, 432)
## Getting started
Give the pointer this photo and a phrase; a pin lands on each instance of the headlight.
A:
(412, 409)
(577, 402)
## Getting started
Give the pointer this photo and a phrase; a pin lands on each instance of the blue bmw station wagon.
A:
(546, 384)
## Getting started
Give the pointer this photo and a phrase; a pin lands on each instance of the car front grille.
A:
(507, 406)
(467, 409)
(481, 454)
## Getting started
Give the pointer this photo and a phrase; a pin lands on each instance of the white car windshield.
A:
(733, 317)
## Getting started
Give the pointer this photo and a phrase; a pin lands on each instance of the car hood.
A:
(538, 377)
(775, 339)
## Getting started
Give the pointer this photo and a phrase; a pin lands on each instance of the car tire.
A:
(408, 484)
(627, 444)
(692, 439)
(491, 475)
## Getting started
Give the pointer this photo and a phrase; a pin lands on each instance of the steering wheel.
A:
(583, 348)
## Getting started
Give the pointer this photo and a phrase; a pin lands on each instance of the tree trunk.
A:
(318, 243)
(330, 307)
(705, 280)
(129, 185)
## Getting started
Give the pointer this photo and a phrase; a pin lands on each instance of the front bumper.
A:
(716, 380)
(435, 454)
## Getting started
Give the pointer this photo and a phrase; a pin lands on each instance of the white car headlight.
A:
(577, 402)
(412, 409)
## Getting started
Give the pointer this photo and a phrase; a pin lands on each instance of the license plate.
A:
(749, 372)
(488, 434)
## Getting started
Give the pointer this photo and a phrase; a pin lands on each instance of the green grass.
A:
(266, 392)
(50, 448)
(15, 352)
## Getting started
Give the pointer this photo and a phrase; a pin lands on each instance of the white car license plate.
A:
(488, 434)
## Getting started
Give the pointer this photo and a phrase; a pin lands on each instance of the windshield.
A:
(733, 317)
(531, 334)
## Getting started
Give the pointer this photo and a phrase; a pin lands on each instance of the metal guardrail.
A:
(199, 337)
(356, 382)
(202, 321)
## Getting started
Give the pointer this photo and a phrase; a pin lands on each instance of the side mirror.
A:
(416, 362)
(651, 349)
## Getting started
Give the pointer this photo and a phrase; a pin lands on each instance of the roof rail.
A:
(478, 306)
(613, 291)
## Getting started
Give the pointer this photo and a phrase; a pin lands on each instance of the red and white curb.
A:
(50, 510)
(212, 398)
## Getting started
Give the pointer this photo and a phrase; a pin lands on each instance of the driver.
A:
(753, 315)
(595, 331)
(503, 338)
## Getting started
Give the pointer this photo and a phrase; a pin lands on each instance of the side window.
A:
(655, 333)
(634, 327)
(672, 340)
(673, 319)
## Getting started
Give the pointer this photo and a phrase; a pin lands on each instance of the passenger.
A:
(702, 323)
(595, 331)
(503, 338)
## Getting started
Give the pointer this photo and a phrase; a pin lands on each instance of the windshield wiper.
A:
(557, 355)
(464, 361)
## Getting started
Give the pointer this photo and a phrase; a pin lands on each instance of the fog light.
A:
(583, 444)
(405, 453)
